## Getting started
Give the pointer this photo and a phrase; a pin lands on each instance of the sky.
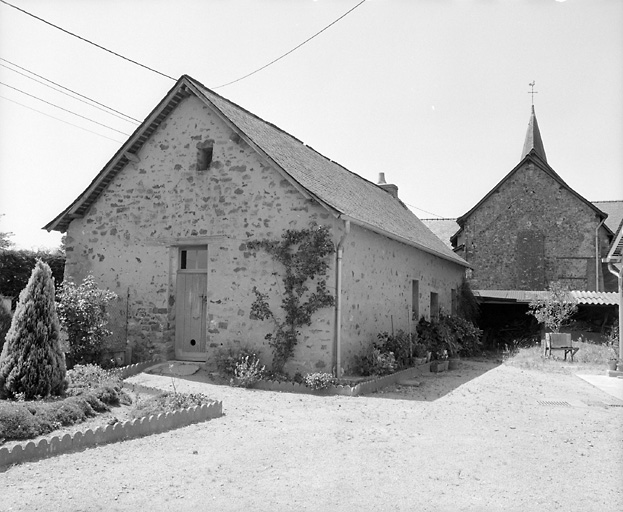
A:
(434, 93)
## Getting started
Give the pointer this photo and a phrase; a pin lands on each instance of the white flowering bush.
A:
(319, 380)
(247, 372)
(82, 311)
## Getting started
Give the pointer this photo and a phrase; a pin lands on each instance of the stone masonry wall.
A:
(377, 287)
(530, 232)
(129, 237)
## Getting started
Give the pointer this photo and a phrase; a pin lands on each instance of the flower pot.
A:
(438, 366)
(419, 360)
(453, 363)
(612, 364)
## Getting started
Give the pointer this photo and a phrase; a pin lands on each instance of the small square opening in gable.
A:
(205, 151)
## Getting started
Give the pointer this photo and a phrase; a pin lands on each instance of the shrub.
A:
(25, 420)
(247, 372)
(227, 359)
(465, 338)
(90, 379)
(319, 380)
(83, 314)
(400, 345)
(32, 361)
(169, 402)
(451, 334)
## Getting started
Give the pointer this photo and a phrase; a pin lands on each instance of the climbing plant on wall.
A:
(303, 254)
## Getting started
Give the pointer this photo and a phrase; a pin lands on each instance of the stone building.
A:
(166, 223)
(532, 229)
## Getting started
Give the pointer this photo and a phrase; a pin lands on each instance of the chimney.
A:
(391, 188)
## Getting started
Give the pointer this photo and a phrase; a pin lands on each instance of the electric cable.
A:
(292, 50)
(97, 105)
(64, 109)
(87, 41)
(59, 119)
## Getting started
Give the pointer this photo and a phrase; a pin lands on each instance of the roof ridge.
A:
(197, 82)
(280, 130)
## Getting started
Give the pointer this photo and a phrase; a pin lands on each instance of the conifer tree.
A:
(32, 361)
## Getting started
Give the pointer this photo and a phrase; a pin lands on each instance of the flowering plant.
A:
(319, 380)
(247, 372)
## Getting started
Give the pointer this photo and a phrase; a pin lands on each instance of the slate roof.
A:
(347, 194)
(614, 209)
(533, 139)
(444, 229)
(525, 297)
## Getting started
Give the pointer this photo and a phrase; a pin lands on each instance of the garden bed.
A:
(109, 429)
(366, 386)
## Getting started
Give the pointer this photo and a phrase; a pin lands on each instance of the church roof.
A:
(344, 193)
(533, 138)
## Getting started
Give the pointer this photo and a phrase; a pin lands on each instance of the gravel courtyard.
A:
(484, 437)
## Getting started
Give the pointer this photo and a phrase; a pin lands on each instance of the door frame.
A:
(175, 272)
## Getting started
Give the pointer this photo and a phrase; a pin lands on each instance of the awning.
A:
(527, 296)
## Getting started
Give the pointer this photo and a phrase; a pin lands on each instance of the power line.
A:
(420, 209)
(64, 109)
(88, 41)
(59, 119)
(106, 108)
(292, 50)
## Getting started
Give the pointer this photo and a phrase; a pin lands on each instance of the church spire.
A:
(533, 138)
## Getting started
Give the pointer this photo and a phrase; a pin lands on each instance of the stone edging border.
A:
(362, 388)
(121, 431)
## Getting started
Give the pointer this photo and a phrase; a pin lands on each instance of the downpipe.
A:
(338, 300)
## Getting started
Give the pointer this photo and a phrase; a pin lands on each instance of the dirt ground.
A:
(486, 437)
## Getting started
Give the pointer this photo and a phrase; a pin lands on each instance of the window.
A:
(194, 259)
(205, 151)
(204, 158)
(415, 300)
(434, 306)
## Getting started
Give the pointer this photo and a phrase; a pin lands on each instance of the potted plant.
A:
(440, 364)
(420, 354)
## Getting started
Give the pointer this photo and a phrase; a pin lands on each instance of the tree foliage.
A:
(32, 361)
(303, 254)
(555, 309)
(83, 312)
(16, 267)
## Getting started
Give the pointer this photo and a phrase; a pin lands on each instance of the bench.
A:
(559, 341)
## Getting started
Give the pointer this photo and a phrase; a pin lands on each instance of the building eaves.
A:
(345, 193)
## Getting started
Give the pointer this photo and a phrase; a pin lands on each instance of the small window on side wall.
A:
(434, 306)
(415, 300)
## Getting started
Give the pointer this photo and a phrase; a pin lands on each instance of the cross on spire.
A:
(533, 92)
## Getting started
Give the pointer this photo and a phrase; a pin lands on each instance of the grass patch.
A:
(590, 357)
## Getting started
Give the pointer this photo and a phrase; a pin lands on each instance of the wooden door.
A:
(191, 307)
